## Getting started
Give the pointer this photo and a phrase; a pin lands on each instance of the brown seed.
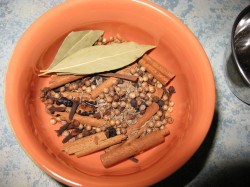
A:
(88, 127)
(117, 122)
(117, 112)
(148, 130)
(62, 89)
(170, 120)
(142, 95)
(123, 131)
(106, 90)
(101, 96)
(158, 124)
(116, 98)
(114, 104)
(142, 108)
(112, 93)
(74, 86)
(87, 83)
(123, 104)
(109, 99)
(124, 125)
(53, 121)
(132, 95)
(112, 122)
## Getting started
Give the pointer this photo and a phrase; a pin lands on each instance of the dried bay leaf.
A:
(100, 58)
(74, 42)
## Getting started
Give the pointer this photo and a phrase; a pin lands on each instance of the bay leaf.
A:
(74, 42)
(101, 58)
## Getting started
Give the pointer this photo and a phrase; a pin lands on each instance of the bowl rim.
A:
(48, 15)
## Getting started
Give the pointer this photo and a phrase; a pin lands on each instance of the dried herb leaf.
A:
(74, 42)
(101, 58)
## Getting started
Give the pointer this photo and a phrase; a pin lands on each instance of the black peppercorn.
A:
(160, 103)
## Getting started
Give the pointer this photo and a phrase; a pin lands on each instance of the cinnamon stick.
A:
(150, 111)
(169, 75)
(78, 145)
(108, 83)
(121, 76)
(162, 78)
(59, 80)
(125, 151)
(82, 119)
(76, 94)
(92, 147)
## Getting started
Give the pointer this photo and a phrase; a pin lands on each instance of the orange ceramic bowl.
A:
(141, 21)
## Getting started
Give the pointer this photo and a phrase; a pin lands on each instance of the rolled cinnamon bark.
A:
(92, 147)
(150, 111)
(59, 80)
(123, 152)
(83, 119)
(108, 83)
(78, 145)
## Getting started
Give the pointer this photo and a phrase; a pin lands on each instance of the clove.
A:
(75, 104)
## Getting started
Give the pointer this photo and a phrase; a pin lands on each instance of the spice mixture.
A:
(109, 103)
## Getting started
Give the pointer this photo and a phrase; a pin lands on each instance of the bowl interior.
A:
(177, 50)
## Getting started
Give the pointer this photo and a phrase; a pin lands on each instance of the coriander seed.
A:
(117, 112)
(88, 90)
(171, 103)
(123, 104)
(170, 120)
(87, 83)
(151, 89)
(79, 136)
(93, 87)
(132, 70)
(53, 121)
(148, 103)
(112, 122)
(106, 118)
(142, 95)
(159, 113)
(109, 99)
(88, 127)
(102, 96)
(143, 68)
(148, 130)
(106, 90)
(132, 95)
(150, 76)
(57, 95)
(80, 126)
(62, 89)
(142, 107)
(117, 122)
(165, 107)
(151, 124)
(145, 78)
(162, 127)
(84, 88)
(156, 118)
(98, 129)
(65, 133)
(158, 124)
(170, 109)
(164, 97)
(114, 104)
(123, 131)
(159, 85)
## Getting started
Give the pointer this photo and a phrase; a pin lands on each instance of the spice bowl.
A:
(177, 50)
